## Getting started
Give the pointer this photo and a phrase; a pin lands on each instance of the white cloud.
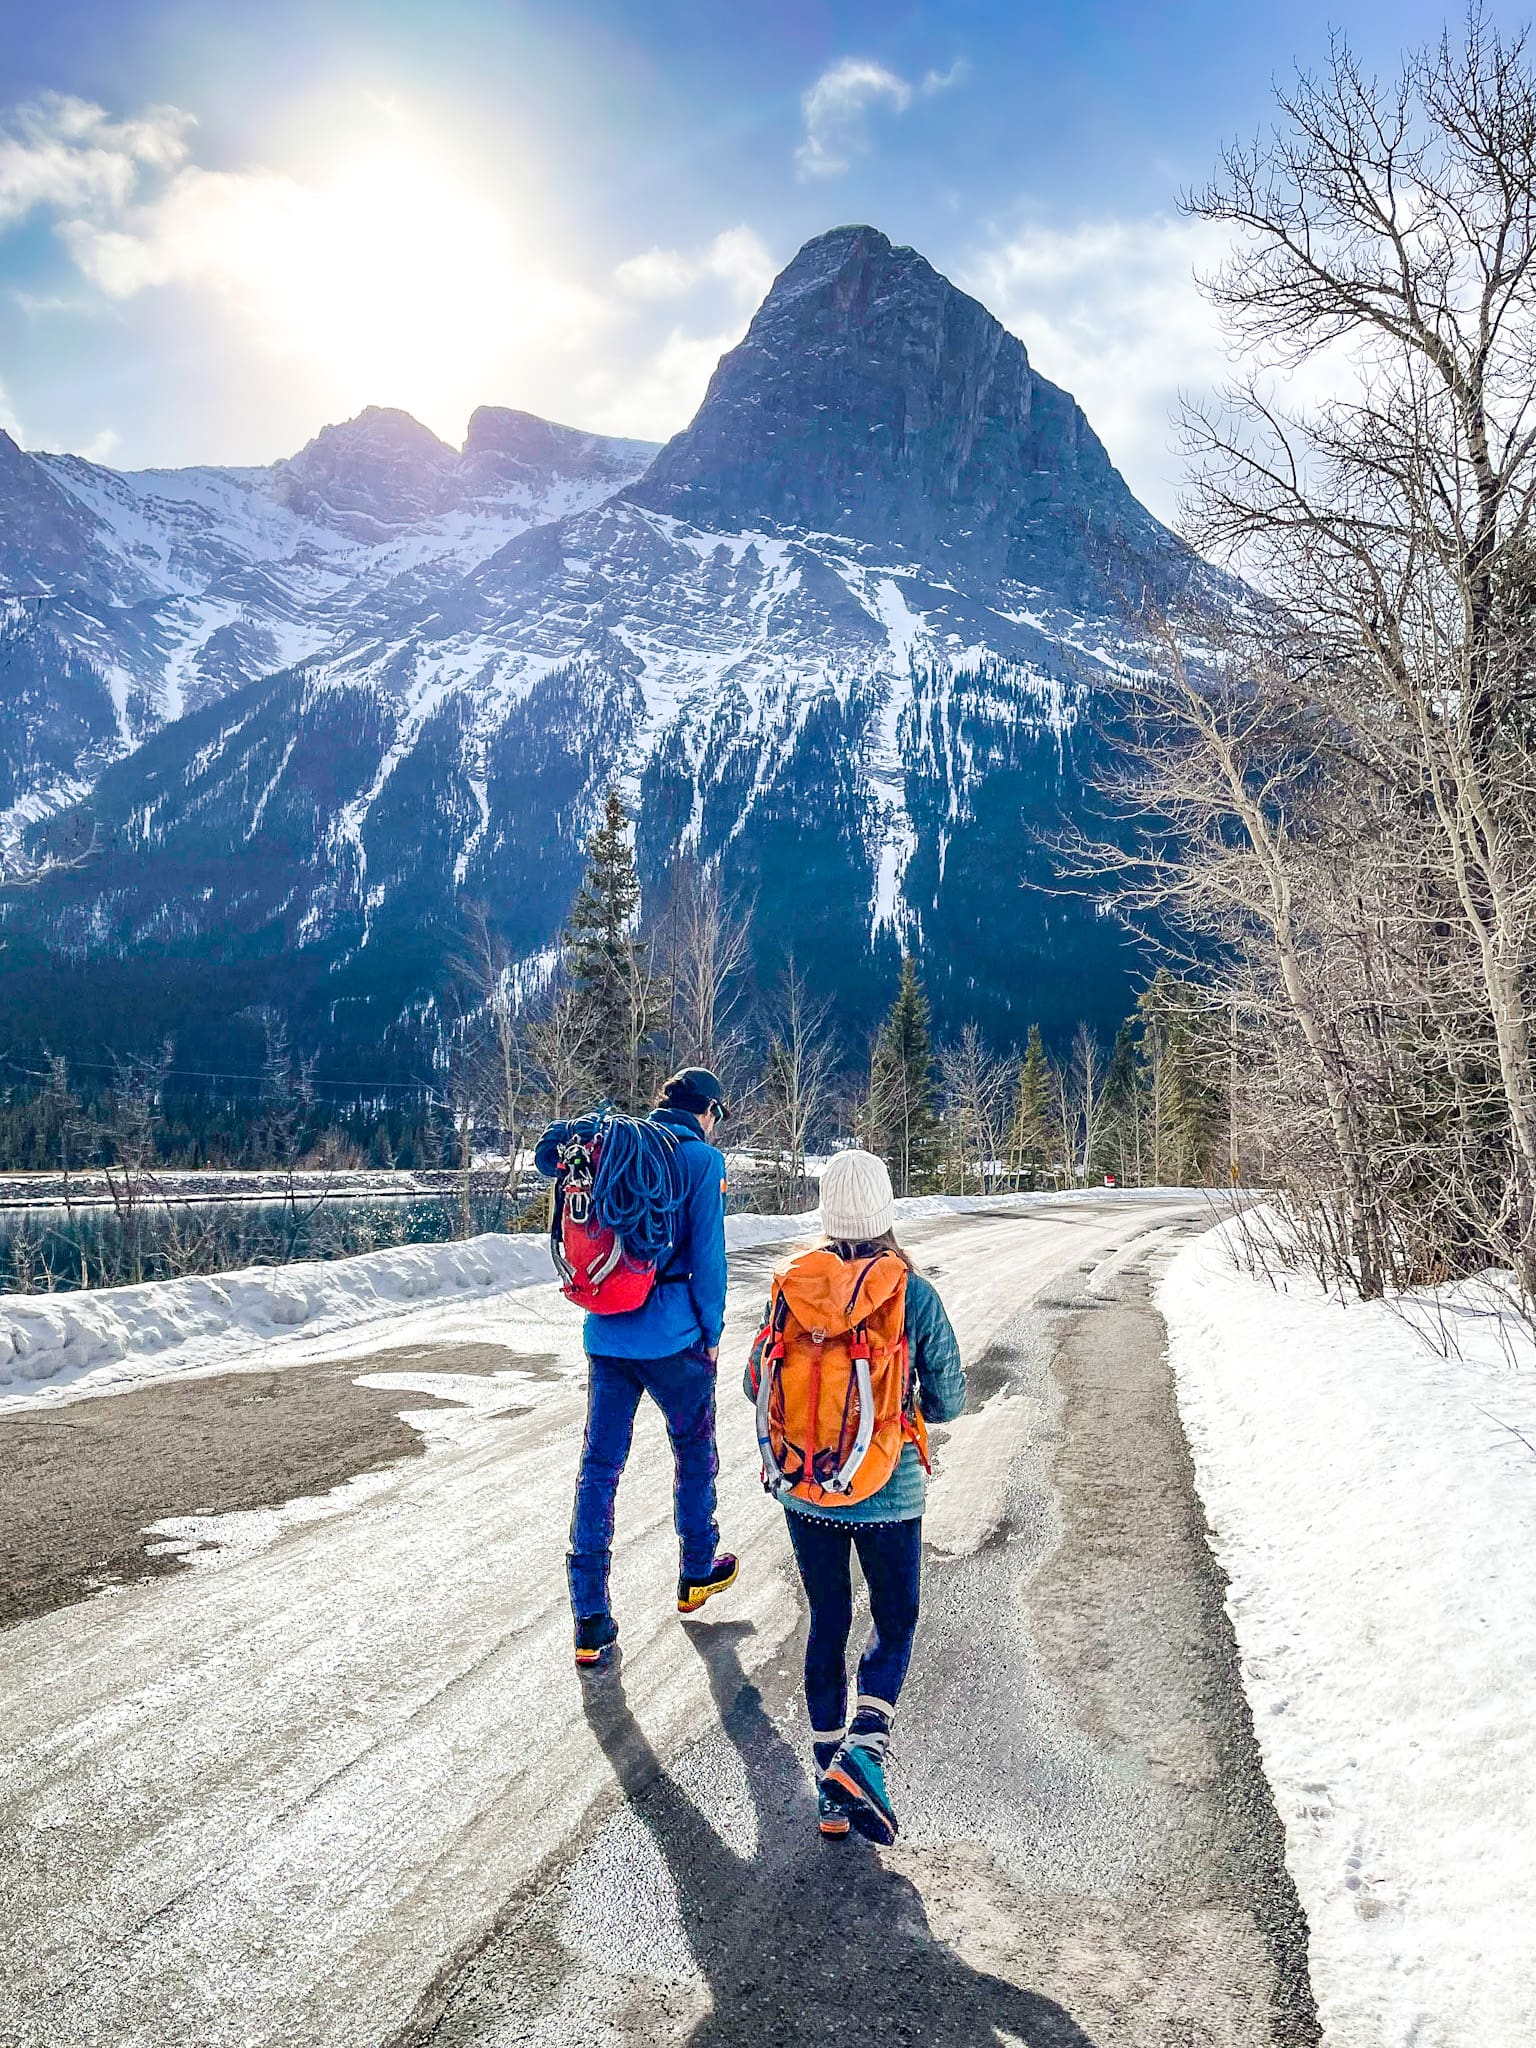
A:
(738, 258)
(656, 398)
(9, 423)
(741, 258)
(835, 108)
(659, 394)
(394, 273)
(100, 447)
(64, 153)
(44, 305)
(657, 274)
(1111, 311)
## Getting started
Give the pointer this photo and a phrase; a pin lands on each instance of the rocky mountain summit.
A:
(873, 401)
(372, 478)
(383, 474)
(844, 637)
(178, 585)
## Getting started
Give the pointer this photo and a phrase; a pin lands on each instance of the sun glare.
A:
(397, 276)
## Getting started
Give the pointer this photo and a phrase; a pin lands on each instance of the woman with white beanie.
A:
(855, 1356)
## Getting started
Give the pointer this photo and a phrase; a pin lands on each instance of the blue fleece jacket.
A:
(686, 1311)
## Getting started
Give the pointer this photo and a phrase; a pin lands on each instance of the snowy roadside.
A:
(1374, 1507)
(56, 1347)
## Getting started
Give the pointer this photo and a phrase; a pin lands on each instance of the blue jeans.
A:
(891, 1555)
(683, 1388)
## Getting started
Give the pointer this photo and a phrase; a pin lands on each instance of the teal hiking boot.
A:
(831, 1817)
(856, 1780)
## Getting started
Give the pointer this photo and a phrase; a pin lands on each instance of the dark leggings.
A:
(890, 1554)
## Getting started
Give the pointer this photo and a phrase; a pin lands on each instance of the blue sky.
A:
(222, 226)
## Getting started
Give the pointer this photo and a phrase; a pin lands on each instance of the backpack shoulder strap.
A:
(770, 1339)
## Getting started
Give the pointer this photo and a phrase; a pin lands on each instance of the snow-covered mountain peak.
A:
(175, 586)
(503, 446)
(838, 639)
(383, 476)
(372, 476)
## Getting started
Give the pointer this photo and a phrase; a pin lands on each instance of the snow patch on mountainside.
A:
(472, 845)
(230, 581)
(31, 809)
(895, 838)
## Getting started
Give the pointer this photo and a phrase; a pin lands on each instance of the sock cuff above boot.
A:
(825, 1743)
(870, 1727)
(872, 1710)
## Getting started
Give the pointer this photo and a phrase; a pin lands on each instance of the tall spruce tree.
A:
(1032, 1134)
(1181, 1112)
(903, 1093)
(1117, 1149)
(613, 973)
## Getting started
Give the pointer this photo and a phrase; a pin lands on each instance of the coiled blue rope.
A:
(639, 1186)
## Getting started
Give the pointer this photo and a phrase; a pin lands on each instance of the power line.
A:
(357, 1087)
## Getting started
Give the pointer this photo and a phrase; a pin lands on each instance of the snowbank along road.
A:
(337, 1783)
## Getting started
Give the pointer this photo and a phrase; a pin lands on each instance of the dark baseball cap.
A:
(694, 1088)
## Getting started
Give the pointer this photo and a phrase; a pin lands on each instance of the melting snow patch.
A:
(104, 1339)
(989, 1442)
(217, 1541)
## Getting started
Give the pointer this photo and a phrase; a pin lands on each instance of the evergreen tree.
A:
(612, 972)
(1032, 1136)
(1181, 1110)
(1117, 1148)
(903, 1094)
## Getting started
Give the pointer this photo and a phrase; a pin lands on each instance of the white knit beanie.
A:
(856, 1198)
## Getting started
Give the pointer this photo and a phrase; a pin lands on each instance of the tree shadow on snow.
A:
(806, 1940)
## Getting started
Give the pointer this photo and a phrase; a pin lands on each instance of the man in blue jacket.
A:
(667, 1348)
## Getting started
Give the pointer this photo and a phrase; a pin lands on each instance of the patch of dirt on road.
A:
(84, 1480)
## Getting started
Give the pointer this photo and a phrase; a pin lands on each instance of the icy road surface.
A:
(337, 1782)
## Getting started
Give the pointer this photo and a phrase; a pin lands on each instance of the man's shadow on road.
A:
(805, 1940)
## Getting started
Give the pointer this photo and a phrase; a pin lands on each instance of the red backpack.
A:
(597, 1269)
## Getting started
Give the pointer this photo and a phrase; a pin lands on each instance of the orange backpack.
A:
(835, 1399)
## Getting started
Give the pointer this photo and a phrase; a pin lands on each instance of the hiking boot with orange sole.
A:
(596, 1635)
(856, 1781)
(831, 1818)
(692, 1593)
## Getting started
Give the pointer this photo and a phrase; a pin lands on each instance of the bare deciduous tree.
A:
(1348, 771)
(1079, 1103)
(130, 1129)
(797, 1076)
(977, 1090)
(559, 1033)
(705, 942)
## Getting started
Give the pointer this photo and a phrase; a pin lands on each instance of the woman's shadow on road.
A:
(805, 1940)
